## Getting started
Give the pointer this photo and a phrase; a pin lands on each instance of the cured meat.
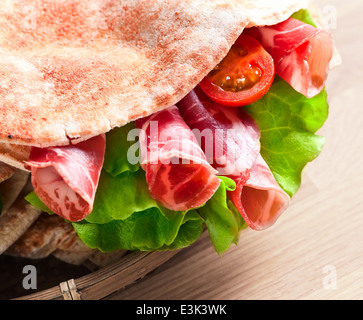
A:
(229, 137)
(260, 200)
(235, 138)
(300, 51)
(65, 178)
(177, 172)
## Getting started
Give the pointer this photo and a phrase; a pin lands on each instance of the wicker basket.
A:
(98, 284)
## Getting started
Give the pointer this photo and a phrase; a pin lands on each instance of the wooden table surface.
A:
(315, 250)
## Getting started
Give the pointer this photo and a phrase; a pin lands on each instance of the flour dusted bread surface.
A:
(72, 69)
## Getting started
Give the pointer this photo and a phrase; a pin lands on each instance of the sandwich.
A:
(140, 124)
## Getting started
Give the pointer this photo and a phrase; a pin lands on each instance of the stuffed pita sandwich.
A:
(141, 123)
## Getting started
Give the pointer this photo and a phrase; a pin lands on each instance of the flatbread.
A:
(73, 69)
(18, 215)
(73, 251)
(6, 171)
(11, 188)
(42, 238)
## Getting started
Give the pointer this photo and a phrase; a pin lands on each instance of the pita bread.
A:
(42, 238)
(6, 171)
(18, 215)
(73, 251)
(75, 69)
(11, 188)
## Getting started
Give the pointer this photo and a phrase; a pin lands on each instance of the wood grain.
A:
(315, 251)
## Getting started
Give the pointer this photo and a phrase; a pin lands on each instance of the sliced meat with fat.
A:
(66, 178)
(301, 52)
(177, 172)
(258, 197)
(260, 200)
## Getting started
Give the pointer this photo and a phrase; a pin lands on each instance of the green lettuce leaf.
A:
(304, 16)
(288, 122)
(221, 217)
(151, 229)
(122, 151)
(189, 232)
(118, 197)
(146, 230)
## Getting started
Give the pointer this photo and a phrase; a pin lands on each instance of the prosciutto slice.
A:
(65, 178)
(235, 138)
(229, 137)
(177, 172)
(301, 53)
(260, 200)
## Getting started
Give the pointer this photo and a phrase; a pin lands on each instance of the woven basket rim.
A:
(100, 284)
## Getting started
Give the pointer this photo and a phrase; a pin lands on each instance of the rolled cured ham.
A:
(301, 53)
(65, 178)
(257, 196)
(260, 200)
(177, 172)
(229, 137)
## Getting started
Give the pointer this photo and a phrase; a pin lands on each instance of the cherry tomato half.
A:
(243, 76)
